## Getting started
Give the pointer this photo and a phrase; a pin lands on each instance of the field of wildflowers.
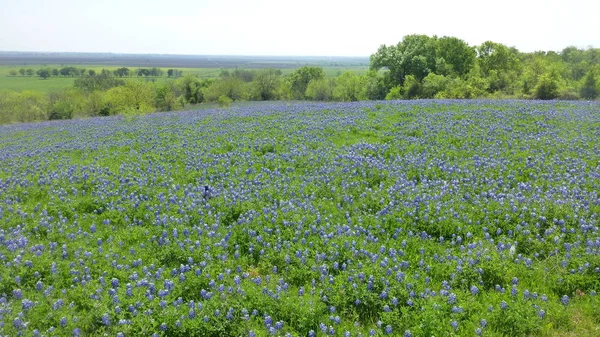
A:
(305, 219)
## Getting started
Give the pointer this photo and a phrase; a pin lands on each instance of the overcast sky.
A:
(280, 27)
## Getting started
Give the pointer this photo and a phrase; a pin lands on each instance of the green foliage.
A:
(267, 84)
(300, 79)
(44, 73)
(499, 64)
(321, 89)
(134, 98)
(166, 100)
(547, 87)
(472, 87)
(26, 106)
(121, 72)
(411, 88)
(66, 104)
(350, 87)
(375, 87)
(232, 87)
(455, 56)
(104, 81)
(224, 101)
(395, 93)
(589, 89)
(415, 55)
(191, 88)
(12, 72)
(434, 84)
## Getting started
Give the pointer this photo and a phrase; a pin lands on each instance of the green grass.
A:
(35, 83)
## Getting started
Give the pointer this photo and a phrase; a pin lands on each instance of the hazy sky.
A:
(279, 27)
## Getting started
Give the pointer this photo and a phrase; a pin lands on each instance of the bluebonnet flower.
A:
(388, 329)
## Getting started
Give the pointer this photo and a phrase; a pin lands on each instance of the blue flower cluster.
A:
(302, 219)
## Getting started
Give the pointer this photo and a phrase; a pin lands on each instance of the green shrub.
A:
(224, 101)
(394, 93)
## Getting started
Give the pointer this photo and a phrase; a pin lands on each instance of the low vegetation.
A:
(402, 218)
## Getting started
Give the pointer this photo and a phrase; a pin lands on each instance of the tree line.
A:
(70, 71)
(419, 66)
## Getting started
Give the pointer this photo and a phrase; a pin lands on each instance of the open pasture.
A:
(305, 219)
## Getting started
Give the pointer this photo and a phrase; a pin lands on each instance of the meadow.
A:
(202, 66)
(420, 218)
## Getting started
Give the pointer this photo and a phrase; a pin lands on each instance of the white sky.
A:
(280, 27)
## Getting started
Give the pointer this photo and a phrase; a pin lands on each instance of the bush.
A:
(224, 101)
(66, 104)
(547, 88)
(433, 84)
(232, 87)
(411, 88)
(350, 87)
(589, 89)
(320, 90)
(135, 97)
(394, 93)
(26, 106)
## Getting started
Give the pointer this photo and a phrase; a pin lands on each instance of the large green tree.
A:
(499, 64)
(454, 56)
(266, 84)
(415, 55)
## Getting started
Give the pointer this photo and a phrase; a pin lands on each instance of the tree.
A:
(454, 55)
(29, 72)
(321, 89)
(65, 104)
(55, 72)
(165, 98)
(375, 88)
(589, 90)
(350, 87)
(44, 73)
(231, 87)
(267, 83)
(191, 88)
(415, 55)
(12, 72)
(434, 84)
(411, 88)
(121, 72)
(135, 97)
(156, 72)
(300, 78)
(103, 81)
(143, 72)
(22, 72)
(496, 56)
(547, 87)
(69, 71)
(170, 73)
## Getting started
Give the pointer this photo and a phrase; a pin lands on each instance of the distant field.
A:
(20, 83)
(34, 83)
